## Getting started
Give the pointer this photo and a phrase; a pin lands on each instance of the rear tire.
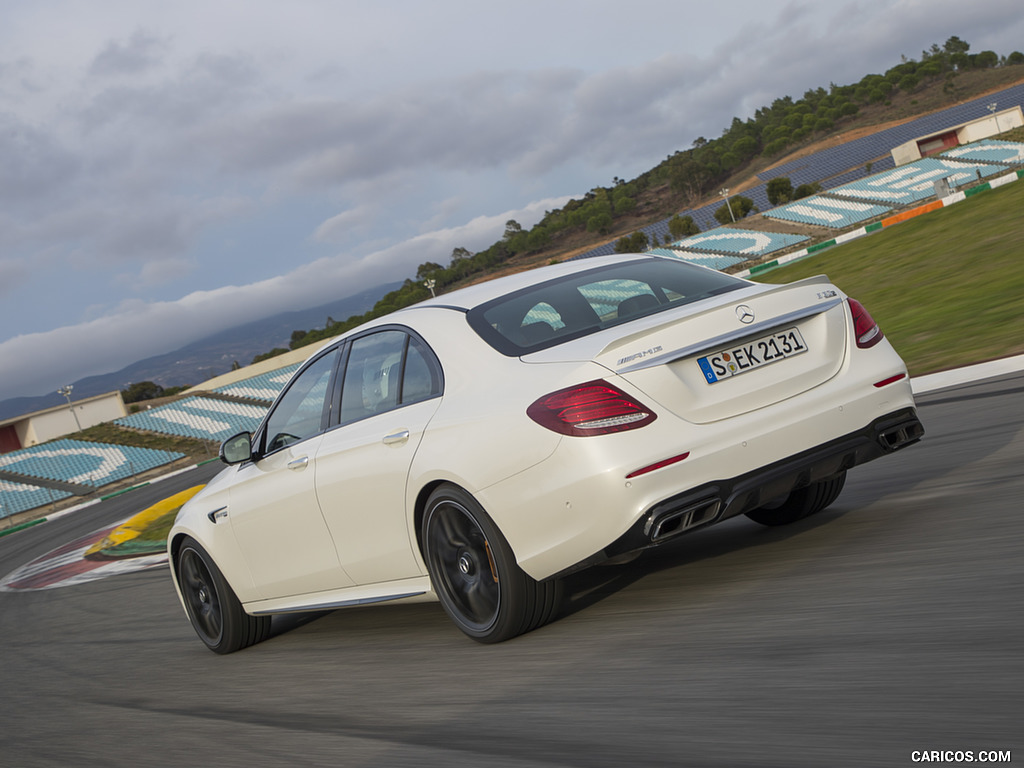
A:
(801, 503)
(215, 612)
(475, 574)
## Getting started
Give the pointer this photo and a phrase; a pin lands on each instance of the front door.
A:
(273, 505)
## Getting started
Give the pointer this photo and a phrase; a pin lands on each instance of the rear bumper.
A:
(719, 500)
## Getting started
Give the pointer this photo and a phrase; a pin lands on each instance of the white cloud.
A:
(39, 362)
(340, 226)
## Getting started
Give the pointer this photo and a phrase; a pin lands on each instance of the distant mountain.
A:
(208, 357)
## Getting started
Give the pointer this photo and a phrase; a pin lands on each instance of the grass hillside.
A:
(947, 287)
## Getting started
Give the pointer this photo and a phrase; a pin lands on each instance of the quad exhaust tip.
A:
(901, 436)
(676, 521)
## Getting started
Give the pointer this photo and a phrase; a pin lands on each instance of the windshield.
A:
(556, 311)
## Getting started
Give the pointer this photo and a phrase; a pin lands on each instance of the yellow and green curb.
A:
(144, 533)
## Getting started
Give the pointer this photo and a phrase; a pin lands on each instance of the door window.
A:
(299, 413)
(421, 379)
(385, 370)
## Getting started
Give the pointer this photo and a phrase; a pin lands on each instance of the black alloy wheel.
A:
(212, 607)
(475, 574)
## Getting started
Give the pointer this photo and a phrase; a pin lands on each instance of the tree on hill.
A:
(635, 243)
(427, 270)
(955, 45)
(779, 190)
(806, 190)
(267, 355)
(512, 228)
(986, 60)
(296, 340)
(740, 205)
(682, 226)
(142, 390)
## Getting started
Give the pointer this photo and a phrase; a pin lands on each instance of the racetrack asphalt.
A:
(888, 624)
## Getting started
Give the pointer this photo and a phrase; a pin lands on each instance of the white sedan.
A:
(476, 447)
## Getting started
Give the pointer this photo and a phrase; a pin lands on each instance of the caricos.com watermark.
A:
(961, 756)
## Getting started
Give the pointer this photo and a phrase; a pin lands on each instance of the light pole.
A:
(66, 392)
(430, 283)
(725, 193)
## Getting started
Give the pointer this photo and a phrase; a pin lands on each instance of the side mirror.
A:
(237, 448)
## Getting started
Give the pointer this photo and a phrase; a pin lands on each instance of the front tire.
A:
(475, 574)
(801, 503)
(215, 612)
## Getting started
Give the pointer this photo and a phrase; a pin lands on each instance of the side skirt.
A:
(410, 590)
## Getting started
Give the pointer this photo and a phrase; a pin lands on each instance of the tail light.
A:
(865, 329)
(594, 408)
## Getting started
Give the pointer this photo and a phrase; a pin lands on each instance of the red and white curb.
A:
(67, 565)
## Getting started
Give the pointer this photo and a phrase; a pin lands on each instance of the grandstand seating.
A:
(18, 497)
(989, 151)
(84, 463)
(96, 464)
(915, 181)
(827, 212)
(199, 417)
(747, 242)
(263, 387)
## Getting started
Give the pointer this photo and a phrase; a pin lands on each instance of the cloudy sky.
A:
(168, 170)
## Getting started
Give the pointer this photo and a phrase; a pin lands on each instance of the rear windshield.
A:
(550, 313)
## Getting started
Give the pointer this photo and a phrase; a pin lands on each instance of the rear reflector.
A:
(865, 329)
(657, 465)
(890, 380)
(594, 408)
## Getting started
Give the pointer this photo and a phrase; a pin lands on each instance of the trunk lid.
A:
(727, 355)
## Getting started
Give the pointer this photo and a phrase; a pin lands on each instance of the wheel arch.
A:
(173, 549)
(420, 508)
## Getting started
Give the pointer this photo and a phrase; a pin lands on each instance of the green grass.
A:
(947, 287)
(197, 450)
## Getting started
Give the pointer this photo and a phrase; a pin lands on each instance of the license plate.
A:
(752, 354)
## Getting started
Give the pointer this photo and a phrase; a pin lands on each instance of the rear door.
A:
(391, 388)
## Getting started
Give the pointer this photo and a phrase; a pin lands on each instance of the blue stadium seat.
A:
(199, 417)
(19, 497)
(84, 463)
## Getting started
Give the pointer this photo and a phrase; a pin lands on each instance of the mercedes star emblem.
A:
(745, 314)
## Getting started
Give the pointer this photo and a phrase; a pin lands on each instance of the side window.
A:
(384, 371)
(372, 375)
(421, 379)
(299, 412)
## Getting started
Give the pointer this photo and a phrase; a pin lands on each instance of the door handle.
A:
(396, 437)
(298, 464)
